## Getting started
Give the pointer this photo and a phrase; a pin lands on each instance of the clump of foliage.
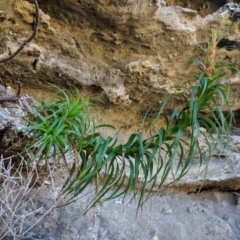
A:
(62, 126)
(58, 126)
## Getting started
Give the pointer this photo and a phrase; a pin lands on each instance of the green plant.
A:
(56, 127)
(116, 169)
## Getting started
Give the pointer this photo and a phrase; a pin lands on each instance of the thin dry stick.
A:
(13, 98)
(18, 94)
(35, 30)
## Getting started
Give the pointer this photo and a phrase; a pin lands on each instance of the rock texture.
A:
(134, 52)
(173, 215)
(130, 53)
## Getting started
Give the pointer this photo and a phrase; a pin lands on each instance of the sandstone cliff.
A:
(129, 52)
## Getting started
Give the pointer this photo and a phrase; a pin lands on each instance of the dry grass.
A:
(19, 186)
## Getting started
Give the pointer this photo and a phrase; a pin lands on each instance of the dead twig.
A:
(19, 88)
(35, 30)
(18, 197)
(3, 83)
(13, 98)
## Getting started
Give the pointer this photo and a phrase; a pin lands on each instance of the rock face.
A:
(132, 51)
(173, 215)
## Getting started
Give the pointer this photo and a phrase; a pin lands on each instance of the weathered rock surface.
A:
(172, 215)
(175, 212)
(131, 53)
(135, 51)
